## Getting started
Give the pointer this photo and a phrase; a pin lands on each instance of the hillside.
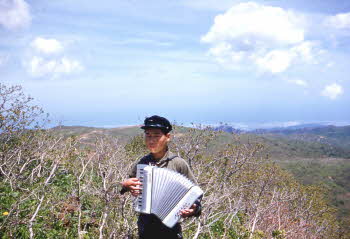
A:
(308, 140)
(314, 155)
(317, 155)
(84, 186)
(329, 141)
(331, 135)
(88, 135)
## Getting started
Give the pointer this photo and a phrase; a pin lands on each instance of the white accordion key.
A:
(144, 173)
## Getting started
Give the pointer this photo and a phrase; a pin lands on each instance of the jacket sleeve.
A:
(198, 211)
(183, 168)
(123, 190)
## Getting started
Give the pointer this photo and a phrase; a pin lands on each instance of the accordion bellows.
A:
(164, 193)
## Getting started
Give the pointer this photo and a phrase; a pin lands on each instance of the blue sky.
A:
(108, 63)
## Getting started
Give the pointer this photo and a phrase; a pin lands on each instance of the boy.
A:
(157, 136)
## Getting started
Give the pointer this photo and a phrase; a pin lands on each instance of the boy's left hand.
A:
(188, 212)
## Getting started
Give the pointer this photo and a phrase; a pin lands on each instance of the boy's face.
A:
(156, 140)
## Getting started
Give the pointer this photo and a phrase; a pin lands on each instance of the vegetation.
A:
(331, 174)
(51, 187)
(332, 135)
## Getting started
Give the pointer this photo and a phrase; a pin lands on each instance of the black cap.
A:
(157, 122)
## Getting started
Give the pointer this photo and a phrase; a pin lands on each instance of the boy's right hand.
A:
(132, 185)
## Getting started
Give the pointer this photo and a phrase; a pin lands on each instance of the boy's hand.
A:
(188, 212)
(132, 185)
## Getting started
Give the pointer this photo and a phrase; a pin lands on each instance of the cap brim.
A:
(155, 126)
(152, 126)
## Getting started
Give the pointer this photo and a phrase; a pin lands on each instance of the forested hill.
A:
(330, 141)
(64, 182)
(309, 140)
(328, 130)
(333, 135)
(91, 132)
(314, 155)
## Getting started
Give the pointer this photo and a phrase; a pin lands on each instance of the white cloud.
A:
(305, 50)
(47, 46)
(216, 5)
(14, 14)
(266, 37)
(269, 125)
(39, 66)
(280, 124)
(339, 21)
(330, 64)
(252, 24)
(332, 91)
(298, 82)
(275, 61)
(48, 59)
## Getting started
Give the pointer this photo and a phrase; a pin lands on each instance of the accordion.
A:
(164, 193)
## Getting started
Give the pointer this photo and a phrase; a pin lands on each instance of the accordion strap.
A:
(166, 161)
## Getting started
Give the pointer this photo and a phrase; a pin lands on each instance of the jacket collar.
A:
(167, 157)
